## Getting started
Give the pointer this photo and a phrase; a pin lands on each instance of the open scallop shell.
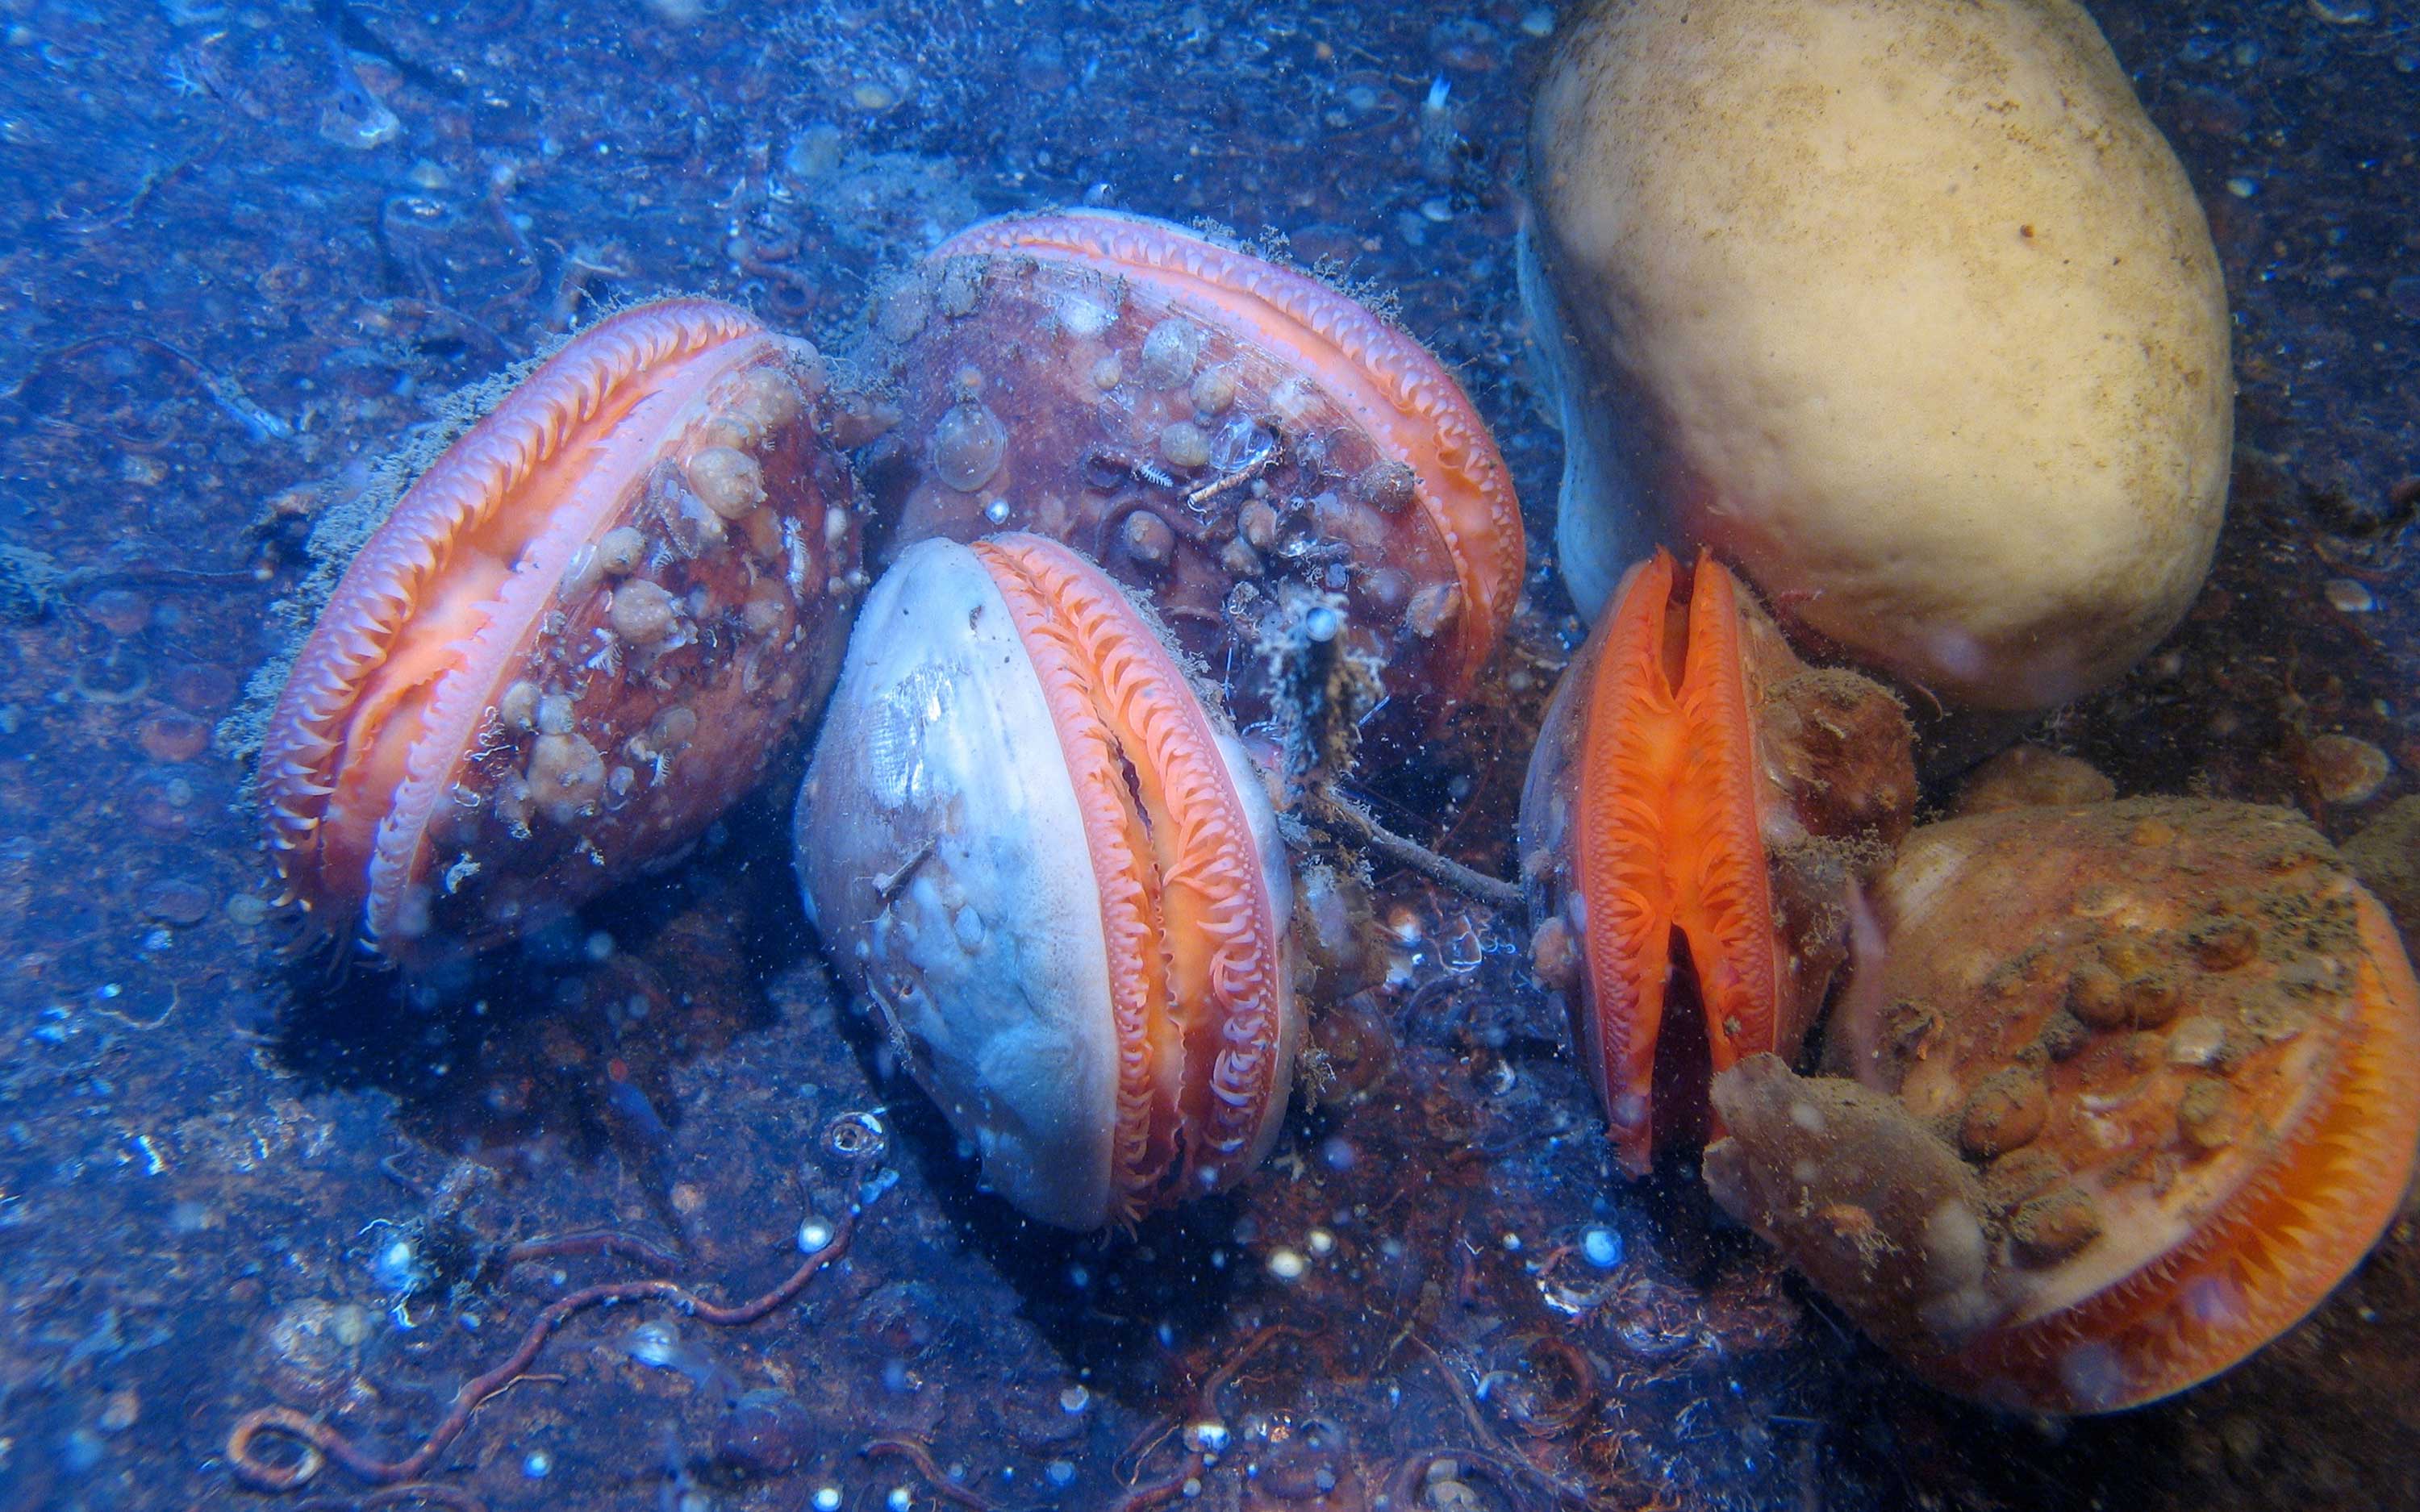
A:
(1058, 878)
(576, 640)
(1699, 807)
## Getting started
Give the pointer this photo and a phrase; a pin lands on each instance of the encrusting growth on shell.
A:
(1236, 438)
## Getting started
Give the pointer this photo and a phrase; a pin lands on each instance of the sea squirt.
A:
(1056, 876)
(575, 641)
(1905, 309)
(2134, 1086)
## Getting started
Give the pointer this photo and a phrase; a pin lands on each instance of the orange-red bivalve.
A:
(2136, 1084)
(1240, 444)
(576, 640)
(1701, 807)
(1057, 877)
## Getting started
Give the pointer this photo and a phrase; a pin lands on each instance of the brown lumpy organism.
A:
(1869, 1202)
(2030, 776)
(2386, 857)
(2177, 1047)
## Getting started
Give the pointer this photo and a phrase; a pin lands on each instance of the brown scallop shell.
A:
(576, 640)
(1239, 441)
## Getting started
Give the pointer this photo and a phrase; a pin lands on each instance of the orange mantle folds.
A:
(1667, 852)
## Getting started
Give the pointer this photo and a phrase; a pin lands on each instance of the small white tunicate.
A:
(1433, 608)
(622, 550)
(1954, 1246)
(517, 706)
(579, 573)
(1082, 316)
(556, 716)
(814, 1236)
(1323, 625)
(1319, 1241)
(997, 512)
(1601, 1247)
(538, 1464)
(1184, 444)
(827, 1499)
(967, 445)
(670, 729)
(767, 609)
(1293, 399)
(1213, 390)
(2197, 1040)
(1074, 1399)
(1208, 1437)
(899, 1500)
(565, 775)
(1287, 1264)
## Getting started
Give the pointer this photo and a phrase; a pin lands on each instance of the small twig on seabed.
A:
(320, 1442)
(226, 391)
(912, 1450)
(1349, 821)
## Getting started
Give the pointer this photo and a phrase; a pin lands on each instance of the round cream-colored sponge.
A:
(1905, 307)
